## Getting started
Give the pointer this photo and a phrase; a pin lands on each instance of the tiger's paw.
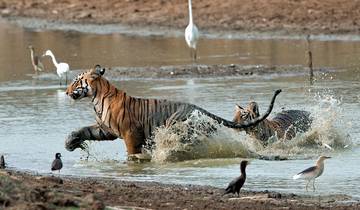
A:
(73, 142)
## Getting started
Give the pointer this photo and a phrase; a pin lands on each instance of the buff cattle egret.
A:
(236, 184)
(61, 68)
(191, 34)
(35, 60)
(57, 163)
(310, 174)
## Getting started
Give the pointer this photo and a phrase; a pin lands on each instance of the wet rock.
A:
(273, 157)
(275, 195)
(84, 14)
(139, 158)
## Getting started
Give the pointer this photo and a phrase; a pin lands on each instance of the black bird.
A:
(236, 184)
(2, 162)
(57, 163)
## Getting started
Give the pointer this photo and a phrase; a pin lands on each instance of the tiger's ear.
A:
(255, 109)
(98, 70)
(238, 108)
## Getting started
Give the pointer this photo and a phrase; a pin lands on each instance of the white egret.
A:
(191, 34)
(61, 68)
(35, 60)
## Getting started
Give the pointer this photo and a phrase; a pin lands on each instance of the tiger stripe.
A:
(131, 118)
(285, 125)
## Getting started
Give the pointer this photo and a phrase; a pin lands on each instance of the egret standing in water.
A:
(310, 174)
(191, 34)
(61, 68)
(35, 60)
(236, 184)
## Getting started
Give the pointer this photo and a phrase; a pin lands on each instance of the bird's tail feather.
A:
(297, 176)
(227, 191)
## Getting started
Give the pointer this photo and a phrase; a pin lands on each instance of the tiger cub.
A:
(284, 125)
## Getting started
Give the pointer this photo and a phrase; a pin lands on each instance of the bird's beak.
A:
(327, 157)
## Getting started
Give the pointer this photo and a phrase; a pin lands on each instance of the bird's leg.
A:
(308, 182)
(194, 54)
(60, 81)
(314, 185)
(65, 78)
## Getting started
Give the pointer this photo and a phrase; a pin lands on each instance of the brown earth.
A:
(19, 190)
(285, 16)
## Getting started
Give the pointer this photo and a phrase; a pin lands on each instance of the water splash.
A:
(202, 137)
(197, 137)
(326, 135)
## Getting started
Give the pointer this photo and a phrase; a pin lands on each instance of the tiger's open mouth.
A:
(78, 93)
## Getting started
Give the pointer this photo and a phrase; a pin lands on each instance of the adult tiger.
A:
(285, 124)
(132, 119)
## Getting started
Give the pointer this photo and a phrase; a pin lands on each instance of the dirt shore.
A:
(280, 16)
(21, 190)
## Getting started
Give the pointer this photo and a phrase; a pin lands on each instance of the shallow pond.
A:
(36, 116)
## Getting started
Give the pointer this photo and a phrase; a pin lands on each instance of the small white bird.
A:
(313, 172)
(61, 68)
(35, 60)
(191, 34)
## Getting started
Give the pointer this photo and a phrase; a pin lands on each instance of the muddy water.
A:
(36, 116)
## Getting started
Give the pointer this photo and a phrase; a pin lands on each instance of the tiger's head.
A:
(246, 114)
(84, 85)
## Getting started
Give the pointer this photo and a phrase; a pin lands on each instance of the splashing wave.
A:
(202, 137)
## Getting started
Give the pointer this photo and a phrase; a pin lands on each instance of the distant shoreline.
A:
(250, 18)
(40, 24)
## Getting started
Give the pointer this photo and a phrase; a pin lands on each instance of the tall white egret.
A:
(35, 60)
(61, 68)
(191, 34)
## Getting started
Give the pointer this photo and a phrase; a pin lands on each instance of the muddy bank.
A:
(280, 16)
(203, 71)
(21, 190)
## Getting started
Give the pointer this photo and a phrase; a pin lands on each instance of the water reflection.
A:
(82, 51)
